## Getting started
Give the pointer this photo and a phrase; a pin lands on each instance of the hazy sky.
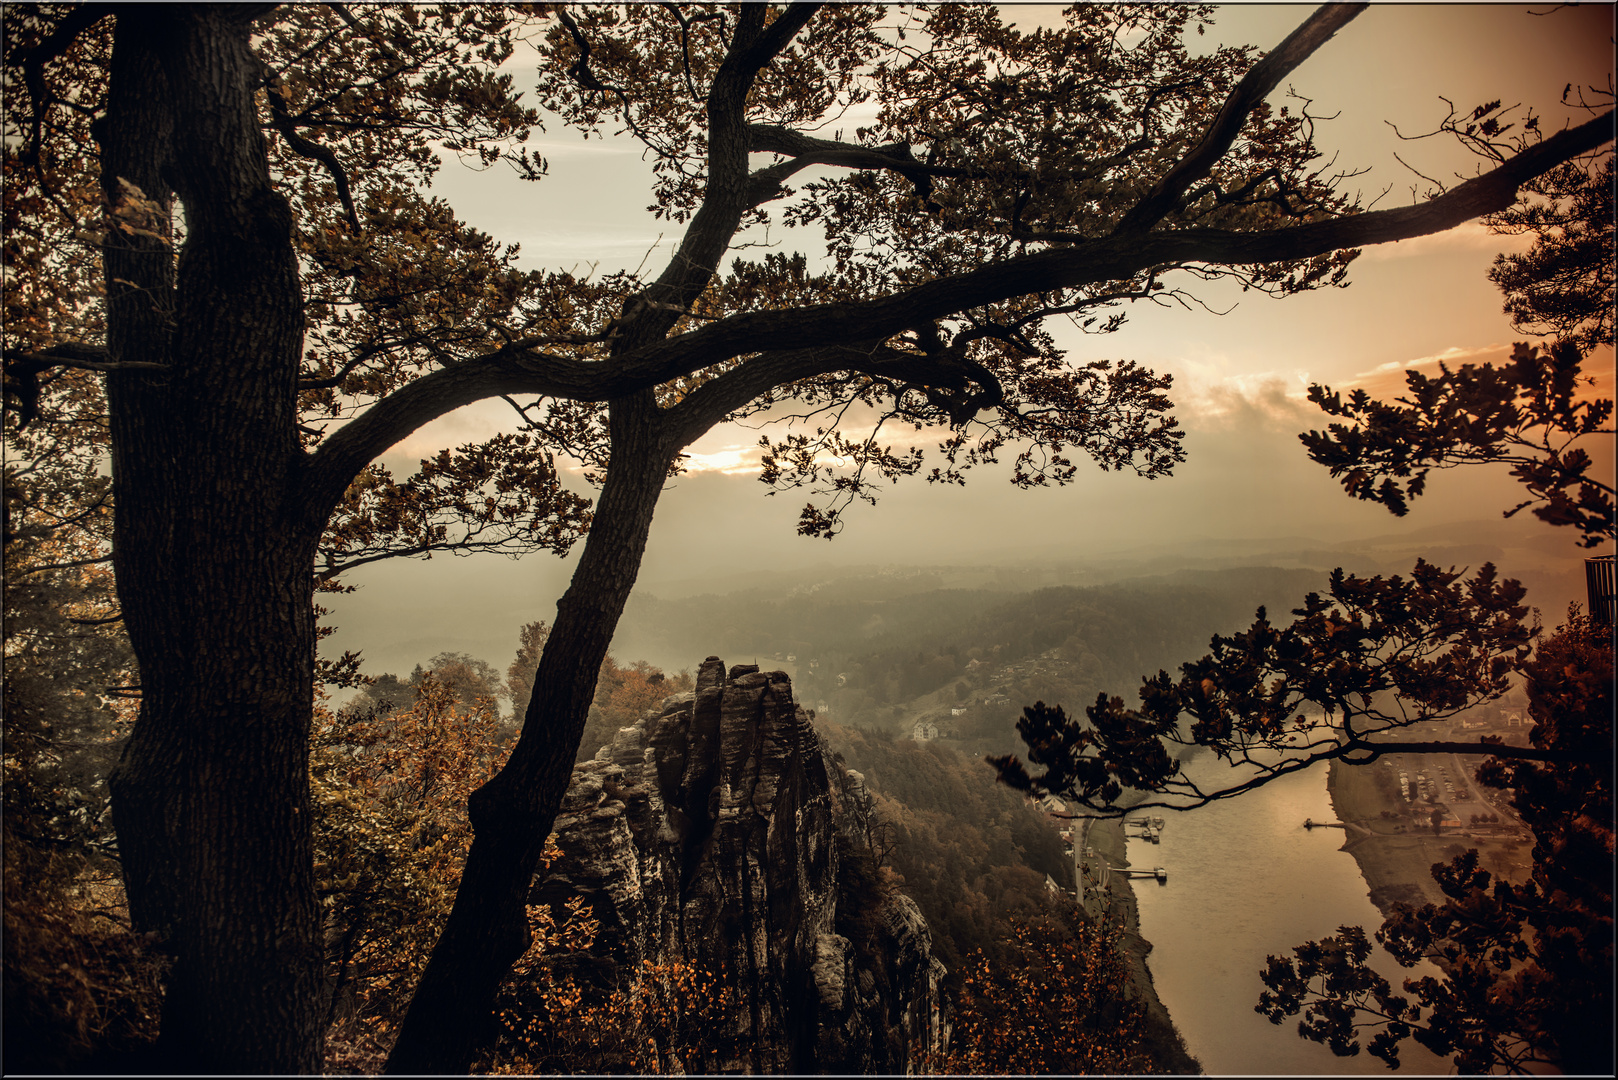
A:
(1239, 377)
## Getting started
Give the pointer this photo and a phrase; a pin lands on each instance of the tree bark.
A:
(212, 556)
(451, 1013)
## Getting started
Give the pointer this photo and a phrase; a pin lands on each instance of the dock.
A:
(1149, 829)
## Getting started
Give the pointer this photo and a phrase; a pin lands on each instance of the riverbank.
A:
(1395, 856)
(1107, 838)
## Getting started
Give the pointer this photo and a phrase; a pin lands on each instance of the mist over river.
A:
(1247, 880)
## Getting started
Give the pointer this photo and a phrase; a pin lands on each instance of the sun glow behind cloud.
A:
(732, 459)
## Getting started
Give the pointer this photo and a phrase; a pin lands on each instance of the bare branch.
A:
(72, 354)
(42, 567)
(312, 150)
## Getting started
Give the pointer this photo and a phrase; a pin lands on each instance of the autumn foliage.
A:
(1060, 1004)
(668, 1019)
(391, 786)
(391, 834)
(623, 691)
(81, 989)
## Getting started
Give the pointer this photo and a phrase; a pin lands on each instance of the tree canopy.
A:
(226, 272)
(1527, 968)
(1532, 412)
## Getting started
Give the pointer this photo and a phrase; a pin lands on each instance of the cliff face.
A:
(719, 834)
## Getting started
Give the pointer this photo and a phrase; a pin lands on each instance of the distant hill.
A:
(887, 650)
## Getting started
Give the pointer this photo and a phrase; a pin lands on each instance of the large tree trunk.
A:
(451, 1012)
(212, 554)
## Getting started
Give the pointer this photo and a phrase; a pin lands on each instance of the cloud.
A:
(1262, 401)
(1470, 237)
(609, 249)
(1207, 397)
(1387, 381)
(582, 147)
(1215, 388)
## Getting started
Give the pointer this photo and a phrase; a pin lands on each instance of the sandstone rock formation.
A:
(718, 832)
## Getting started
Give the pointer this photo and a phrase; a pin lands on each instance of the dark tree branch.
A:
(1255, 86)
(761, 46)
(511, 370)
(333, 466)
(716, 399)
(73, 24)
(42, 567)
(1199, 798)
(805, 150)
(1493, 191)
(1118, 258)
(22, 371)
(727, 197)
(1500, 750)
(771, 139)
(313, 151)
(73, 354)
(582, 74)
(360, 356)
(336, 568)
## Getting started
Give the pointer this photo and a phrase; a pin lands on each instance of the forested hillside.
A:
(971, 852)
(890, 651)
(980, 861)
(1054, 644)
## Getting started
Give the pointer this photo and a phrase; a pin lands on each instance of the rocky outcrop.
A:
(718, 833)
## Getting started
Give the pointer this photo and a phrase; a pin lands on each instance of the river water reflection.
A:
(1245, 880)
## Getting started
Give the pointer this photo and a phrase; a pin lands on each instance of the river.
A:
(1247, 880)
